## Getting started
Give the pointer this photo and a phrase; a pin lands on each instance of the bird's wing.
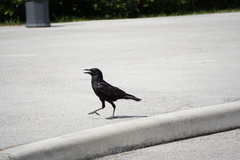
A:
(109, 90)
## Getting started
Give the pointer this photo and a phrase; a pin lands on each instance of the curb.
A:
(131, 134)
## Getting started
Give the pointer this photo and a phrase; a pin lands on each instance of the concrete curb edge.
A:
(131, 134)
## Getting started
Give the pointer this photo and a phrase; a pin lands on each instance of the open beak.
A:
(87, 71)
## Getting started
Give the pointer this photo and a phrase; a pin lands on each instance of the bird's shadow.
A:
(125, 117)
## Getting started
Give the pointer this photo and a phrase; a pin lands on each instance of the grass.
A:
(13, 22)
(194, 13)
(76, 19)
(214, 11)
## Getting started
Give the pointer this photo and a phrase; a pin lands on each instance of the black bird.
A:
(105, 91)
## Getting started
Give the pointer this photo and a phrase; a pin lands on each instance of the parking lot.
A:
(171, 63)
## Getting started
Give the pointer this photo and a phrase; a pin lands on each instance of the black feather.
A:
(105, 91)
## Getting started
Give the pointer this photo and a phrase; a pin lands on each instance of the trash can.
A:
(37, 13)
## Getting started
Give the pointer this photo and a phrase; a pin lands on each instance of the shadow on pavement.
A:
(125, 117)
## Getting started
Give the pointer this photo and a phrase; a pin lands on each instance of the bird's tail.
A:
(129, 96)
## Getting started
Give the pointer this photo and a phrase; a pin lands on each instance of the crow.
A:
(105, 91)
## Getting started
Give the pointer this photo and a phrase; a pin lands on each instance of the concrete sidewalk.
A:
(172, 63)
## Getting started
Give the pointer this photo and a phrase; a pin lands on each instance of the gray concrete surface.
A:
(221, 146)
(133, 134)
(172, 63)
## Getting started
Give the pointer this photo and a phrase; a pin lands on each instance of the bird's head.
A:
(93, 72)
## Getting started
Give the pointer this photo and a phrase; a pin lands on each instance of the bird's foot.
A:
(94, 112)
(111, 117)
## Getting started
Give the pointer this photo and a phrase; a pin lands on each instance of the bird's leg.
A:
(103, 106)
(114, 107)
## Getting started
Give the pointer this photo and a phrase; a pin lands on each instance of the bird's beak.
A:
(87, 71)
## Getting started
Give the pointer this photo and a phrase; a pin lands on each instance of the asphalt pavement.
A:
(171, 63)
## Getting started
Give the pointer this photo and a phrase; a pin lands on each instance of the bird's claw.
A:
(111, 118)
(94, 112)
(97, 113)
